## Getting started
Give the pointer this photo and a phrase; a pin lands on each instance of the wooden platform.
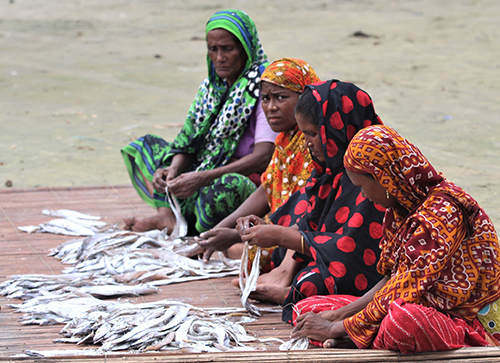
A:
(23, 253)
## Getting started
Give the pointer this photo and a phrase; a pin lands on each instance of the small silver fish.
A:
(68, 213)
(180, 229)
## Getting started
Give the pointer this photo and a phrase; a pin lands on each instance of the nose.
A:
(220, 57)
(272, 105)
(308, 142)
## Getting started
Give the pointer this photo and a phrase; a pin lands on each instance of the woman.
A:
(281, 85)
(225, 138)
(335, 230)
(440, 257)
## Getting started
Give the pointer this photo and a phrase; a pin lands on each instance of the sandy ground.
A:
(80, 79)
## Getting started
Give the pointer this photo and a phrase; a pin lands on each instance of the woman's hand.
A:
(333, 315)
(246, 222)
(186, 184)
(219, 239)
(160, 178)
(314, 327)
(256, 232)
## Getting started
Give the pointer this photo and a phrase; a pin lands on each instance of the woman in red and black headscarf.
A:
(334, 230)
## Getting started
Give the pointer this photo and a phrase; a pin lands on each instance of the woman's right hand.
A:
(257, 232)
(218, 239)
(160, 180)
(243, 223)
(332, 315)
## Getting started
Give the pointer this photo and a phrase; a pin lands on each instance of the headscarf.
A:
(291, 164)
(219, 115)
(346, 109)
(289, 73)
(402, 169)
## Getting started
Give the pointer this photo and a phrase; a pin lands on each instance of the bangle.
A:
(302, 242)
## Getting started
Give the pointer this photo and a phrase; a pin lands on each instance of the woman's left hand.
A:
(186, 184)
(264, 236)
(314, 327)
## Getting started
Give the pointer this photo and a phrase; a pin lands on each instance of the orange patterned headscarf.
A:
(398, 165)
(289, 73)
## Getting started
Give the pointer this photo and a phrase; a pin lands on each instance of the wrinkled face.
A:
(278, 104)
(371, 189)
(312, 137)
(227, 54)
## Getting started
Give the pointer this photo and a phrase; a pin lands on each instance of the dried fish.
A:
(67, 213)
(295, 344)
(248, 282)
(71, 223)
(180, 229)
(160, 325)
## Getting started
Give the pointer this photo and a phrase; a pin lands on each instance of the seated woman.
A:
(440, 258)
(225, 138)
(281, 85)
(333, 228)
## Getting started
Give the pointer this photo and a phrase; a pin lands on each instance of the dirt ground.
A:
(80, 79)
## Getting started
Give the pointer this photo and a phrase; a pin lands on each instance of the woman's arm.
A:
(256, 232)
(255, 162)
(187, 184)
(328, 324)
(163, 176)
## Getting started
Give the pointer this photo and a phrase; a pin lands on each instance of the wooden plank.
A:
(24, 253)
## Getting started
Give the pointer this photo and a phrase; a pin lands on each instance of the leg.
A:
(216, 201)
(142, 157)
(318, 304)
(164, 218)
(413, 328)
(274, 286)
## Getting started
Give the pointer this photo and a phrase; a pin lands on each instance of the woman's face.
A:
(278, 104)
(227, 54)
(312, 137)
(371, 189)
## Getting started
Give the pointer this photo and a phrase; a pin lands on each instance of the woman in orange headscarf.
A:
(282, 82)
(439, 255)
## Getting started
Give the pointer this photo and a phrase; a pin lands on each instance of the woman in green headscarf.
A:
(224, 141)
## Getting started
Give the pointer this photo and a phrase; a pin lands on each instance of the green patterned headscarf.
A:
(218, 116)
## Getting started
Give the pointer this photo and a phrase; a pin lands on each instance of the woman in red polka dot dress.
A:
(334, 230)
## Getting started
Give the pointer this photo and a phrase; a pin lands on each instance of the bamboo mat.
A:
(23, 253)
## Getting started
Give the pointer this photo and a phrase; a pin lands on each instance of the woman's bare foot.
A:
(273, 286)
(344, 342)
(267, 293)
(270, 294)
(163, 219)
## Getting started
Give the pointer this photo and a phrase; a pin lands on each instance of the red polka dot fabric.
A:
(340, 226)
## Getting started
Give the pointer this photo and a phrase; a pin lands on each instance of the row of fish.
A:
(159, 325)
(70, 223)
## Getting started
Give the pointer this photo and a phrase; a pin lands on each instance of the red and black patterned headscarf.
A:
(345, 110)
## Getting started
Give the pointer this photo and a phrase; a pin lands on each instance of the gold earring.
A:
(387, 194)
(309, 144)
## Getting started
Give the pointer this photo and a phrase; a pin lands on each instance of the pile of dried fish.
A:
(133, 257)
(104, 261)
(160, 325)
(71, 223)
(26, 287)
